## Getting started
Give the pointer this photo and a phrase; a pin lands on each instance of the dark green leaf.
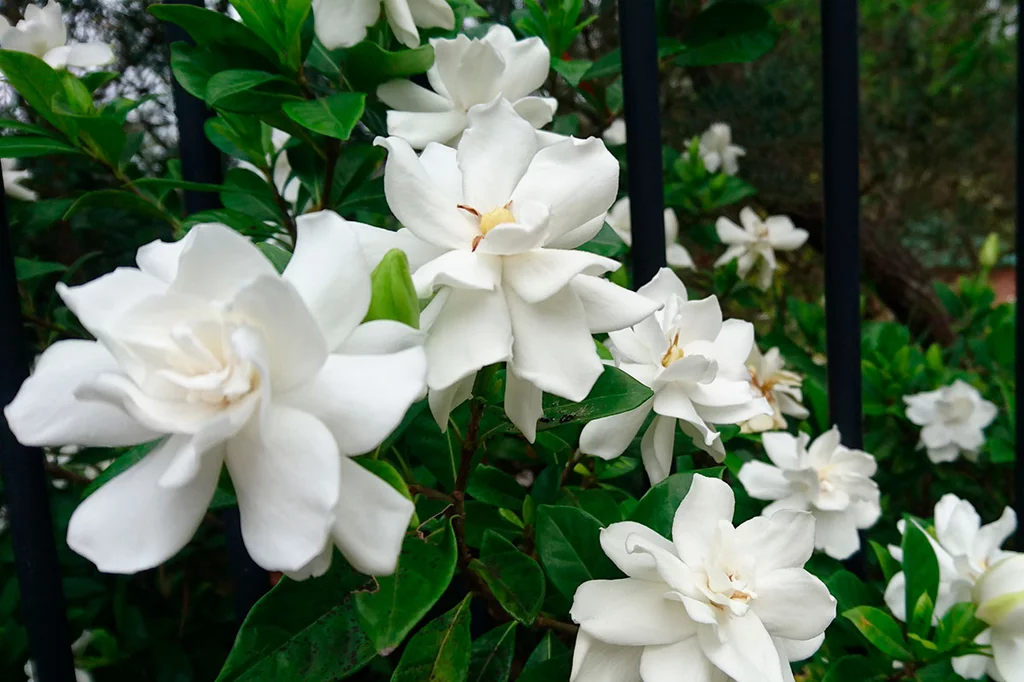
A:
(28, 269)
(657, 508)
(881, 630)
(848, 590)
(850, 669)
(515, 579)
(95, 80)
(249, 193)
(35, 81)
(615, 392)
(960, 624)
(571, 70)
(335, 115)
(21, 146)
(248, 90)
(276, 255)
(550, 661)
(115, 198)
(367, 65)
(729, 33)
(439, 652)
(890, 566)
(598, 503)
(491, 657)
(393, 293)
(206, 27)
(921, 569)
(495, 487)
(606, 243)
(569, 547)
(239, 136)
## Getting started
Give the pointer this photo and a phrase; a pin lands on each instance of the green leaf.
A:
(495, 487)
(386, 473)
(571, 70)
(550, 661)
(239, 136)
(425, 568)
(210, 27)
(848, 590)
(657, 508)
(615, 392)
(439, 652)
(850, 669)
(889, 566)
(35, 81)
(335, 115)
(304, 630)
(276, 255)
(920, 622)
(393, 293)
(921, 569)
(515, 579)
(249, 193)
(881, 630)
(262, 17)
(28, 269)
(569, 548)
(95, 80)
(22, 146)
(247, 90)
(491, 657)
(729, 33)
(115, 198)
(959, 625)
(367, 65)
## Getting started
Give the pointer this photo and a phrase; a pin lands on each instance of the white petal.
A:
(401, 22)
(672, 401)
(796, 650)
(896, 596)
(731, 233)
(991, 536)
(160, 259)
(432, 14)
(696, 522)
(370, 520)
(657, 447)
(595, 661)
(494, 153)
(640, 565)
(375, 242)
(676, 662)
(1008, 651)
(327, 261)
(381, 337)
(629, 612)
(678, 257)
(103, 301)
(538, 111)
(442, 401)
(523, 404)
(471, 70)
(471, 331)
(407, 96)
(460, 270)
(783, 540)
(539, 274)
(286, 475)
(527, 64)
(421, 128)
(703, 320)
(46, 410)
(783, 235)
(89, 55)
(608, 306)
(742, 649)
(609, 437)
(764, 482)
(836, 534)
(343, 23)
(132, 524)
(778, 591)
(509, 239)
(584, 233)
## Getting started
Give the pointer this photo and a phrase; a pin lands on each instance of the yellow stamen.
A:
(673, 353)
(498, 216)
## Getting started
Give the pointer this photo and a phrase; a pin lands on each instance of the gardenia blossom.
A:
(78, 647)
(491, 229)
(675, 254)
(758, 240)
(467, 72)
(827, 479)
(952, 418)
(287, 185)
(718, 151)
(343, 23)
(42, 33)
(716, 603)
(207, 349)
(999, 595)
(13, 177)
(965, 550)
(780, 388)
(615, 134)
(694, 363)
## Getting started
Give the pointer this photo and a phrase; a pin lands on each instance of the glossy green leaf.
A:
(921, 568)
(889, 566)
(657, 508)
(237, 135)
(440, 652)
(550, 660)
(393, 293)
(210, 27)
(515, 579)
(249, 193)
(960, 624)
(23, 146)
(850, 669)
(94, 80)
(731, 32)
(600, 504)
(495, 487)
(881, 630)
(615, 392)
(248, 90)
(571, 70)
(334, 116)
(367, 65)
(28, 269)
(569, 548)
(491, 657)
(35, 81)
(848, 590)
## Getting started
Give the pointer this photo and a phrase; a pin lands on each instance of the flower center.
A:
(673, 353)
(762, 231)
(489, 220)
(957, 410)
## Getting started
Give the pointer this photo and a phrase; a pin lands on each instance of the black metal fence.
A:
(42, 601)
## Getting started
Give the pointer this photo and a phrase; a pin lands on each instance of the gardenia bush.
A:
(408, 351)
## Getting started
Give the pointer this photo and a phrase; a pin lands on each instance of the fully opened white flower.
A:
(13, 177)
(757, 241)
(718, 151)
(676, 254)
(952, 419)
(491, 228)
(467, 72)
(999, 595)
(343, 23)
(780, 387)
(207, 348)
(615, 134)
(716, 603)
(42, 33)
(828, 479)
(694, 363)
(287, 185)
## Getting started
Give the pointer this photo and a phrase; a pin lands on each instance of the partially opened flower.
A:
(952, 420)
(42, 33)
(676, 254)
(491, 229)
(286, 184)
(343, 23)
(208, 350)
(718, 151)
(467, 72)
(13, 177)
(715, 603)
(827, 479)
(615, 134)
(780, 387)
(757, 241)
(999, 595)
(694, 363)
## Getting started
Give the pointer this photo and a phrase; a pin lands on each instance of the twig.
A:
(430, 493)
(458, 510)
(570, 465)
(59, 472)
(556, 625)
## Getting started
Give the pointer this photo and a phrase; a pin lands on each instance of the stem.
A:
(573, 461)
(59, 472)
(430, 493)
(458, 510)
(283, 207)
(556, 625)
(333, 150)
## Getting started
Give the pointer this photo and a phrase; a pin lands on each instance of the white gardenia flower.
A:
(999, 594)
(952, 418)
(716, 603)
(758, 240)
(467, 72)
(287, 185)
(676, 254)
(780, 387)
(207, 348)
(827, 479)
(78, 648)
(718, 151)
(343, 23)
(13, 177)
(42, 33)
(615, 134)
(694, 363)
(491, 228)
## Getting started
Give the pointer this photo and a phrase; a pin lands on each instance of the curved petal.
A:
(578, 236)
(523, 404)
(494, 153)
(657, 447)
(731, 233)
(639, 565)
(46, 410)
(472, 74)
(527, 64)
(797, 650)
(538, 111)
(596, 661)
(664, 287)
(510, 239)
(401, 22)
(103, 301)
(743, 649)
(608, 306)
(784, 450)
(442, 401)
(681, 661)
(629, 612)
(778, 591)
(678, 257)
(375, 242)
(381, 337)
(695, 525)
(89, 55)
(370, 520)
(407, 96)
(459, 270)
(895, 596)
(539, 274)
(672, 401)
(780, 541)
(609, 437)
(160, 259)
(783, 235)
(217, 262)
(343, 23)
(836, 534)
(703, 320)
(471, 331)
(132, 524)
(286, 473)
(432, 14)
(764, 482)
(991, 536)
(420, 128)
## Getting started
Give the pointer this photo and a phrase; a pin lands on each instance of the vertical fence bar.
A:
(202, 162)
(842, 214)
(28, 501)
(1018, 487)
(638, 33)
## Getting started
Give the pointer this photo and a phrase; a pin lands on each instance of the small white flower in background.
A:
(615, 134)
(287, 185)
(758, 240)
(718, 151)
(716, 603)
(13, 177)
(42, 33)
(467, 72)
(999, 595)
(676, 254)
(78, 647)
(780, 387)
(491, 228)
(965, 550)
(694, 363)
(343, 23)
(4, 522)
(188, 347)
(827, 479)
(952, 419)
